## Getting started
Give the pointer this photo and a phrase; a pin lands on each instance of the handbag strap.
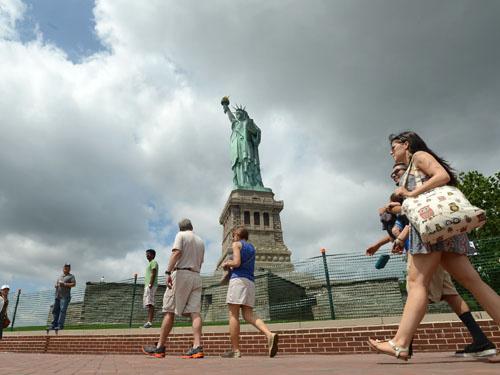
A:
(417, 174)
(407, 173)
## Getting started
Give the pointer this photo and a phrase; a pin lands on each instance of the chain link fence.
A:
(330, 286)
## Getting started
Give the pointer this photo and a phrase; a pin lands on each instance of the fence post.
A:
(15, 310)
(133, 301)
(328, 284)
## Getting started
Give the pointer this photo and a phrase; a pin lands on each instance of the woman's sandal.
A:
(398, 350)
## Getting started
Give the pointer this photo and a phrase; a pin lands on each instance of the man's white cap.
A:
(5, 286)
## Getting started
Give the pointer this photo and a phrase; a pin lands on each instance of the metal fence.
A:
(329, 286)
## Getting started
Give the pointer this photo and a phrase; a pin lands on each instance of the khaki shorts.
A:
(184, 297)
(149, 295)
(241, 291)
(440, 285)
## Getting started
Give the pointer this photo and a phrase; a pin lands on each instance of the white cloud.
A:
(11, 11)
(100, 159)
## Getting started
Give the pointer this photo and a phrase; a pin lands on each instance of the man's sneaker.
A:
(272, 344)
(194, 353)
(153, 351)
(477, 350)
(147, 325)
(231, 354)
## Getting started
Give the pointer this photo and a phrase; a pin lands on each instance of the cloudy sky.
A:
(112, 129)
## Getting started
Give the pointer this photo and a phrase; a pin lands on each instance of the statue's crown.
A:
(240, 108)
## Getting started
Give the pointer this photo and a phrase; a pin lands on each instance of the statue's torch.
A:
(225, 103)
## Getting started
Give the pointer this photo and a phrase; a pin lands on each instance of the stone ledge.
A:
(389, 320)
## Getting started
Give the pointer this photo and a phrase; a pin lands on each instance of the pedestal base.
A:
(259, 212)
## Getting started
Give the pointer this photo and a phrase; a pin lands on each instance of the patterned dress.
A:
(458, 244)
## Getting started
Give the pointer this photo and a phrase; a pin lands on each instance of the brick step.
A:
(27, 344)
(345, 340)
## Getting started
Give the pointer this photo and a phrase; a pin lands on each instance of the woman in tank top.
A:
(430, 171)
(241, 294)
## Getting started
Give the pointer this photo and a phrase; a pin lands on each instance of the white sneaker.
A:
(147, 325)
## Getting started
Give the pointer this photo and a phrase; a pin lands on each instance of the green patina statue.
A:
(245, 140)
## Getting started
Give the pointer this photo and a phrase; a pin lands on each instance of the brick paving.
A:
(365, 364)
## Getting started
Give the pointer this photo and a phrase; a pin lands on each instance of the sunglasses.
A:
(396, 173)
(393, 146)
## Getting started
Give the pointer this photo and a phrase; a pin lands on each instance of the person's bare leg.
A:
(234, 326)
(166, 327)
(151, 313)
(421, 271)
(457, 304)
(419, 275)
(464, 273)
(258, 323)
(197, 325)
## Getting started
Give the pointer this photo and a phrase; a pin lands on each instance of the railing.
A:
(329, 286)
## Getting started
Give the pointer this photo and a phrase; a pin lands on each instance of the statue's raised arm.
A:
(225, 106)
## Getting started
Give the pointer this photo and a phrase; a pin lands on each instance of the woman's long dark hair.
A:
(417, 144)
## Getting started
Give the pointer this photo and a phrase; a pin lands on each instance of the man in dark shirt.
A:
(63, 287)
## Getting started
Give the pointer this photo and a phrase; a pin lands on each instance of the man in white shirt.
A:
(183, 294)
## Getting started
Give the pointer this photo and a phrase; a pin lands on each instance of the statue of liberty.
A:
(245, 140)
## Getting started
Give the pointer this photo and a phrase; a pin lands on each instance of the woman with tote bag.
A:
(428, 172)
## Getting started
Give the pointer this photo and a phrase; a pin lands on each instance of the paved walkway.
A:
(372, 364)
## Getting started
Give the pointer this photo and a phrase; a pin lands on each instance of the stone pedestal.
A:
(259, 212)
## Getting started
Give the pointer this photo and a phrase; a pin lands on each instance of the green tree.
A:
(483, 192)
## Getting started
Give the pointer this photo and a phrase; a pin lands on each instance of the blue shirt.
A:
(247, 264)
(401, 226)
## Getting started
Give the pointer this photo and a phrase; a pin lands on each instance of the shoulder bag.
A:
(441, 213)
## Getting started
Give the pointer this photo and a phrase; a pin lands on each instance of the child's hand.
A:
(397, 246)
(403, 192)
(394, 207)
(372, 250)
